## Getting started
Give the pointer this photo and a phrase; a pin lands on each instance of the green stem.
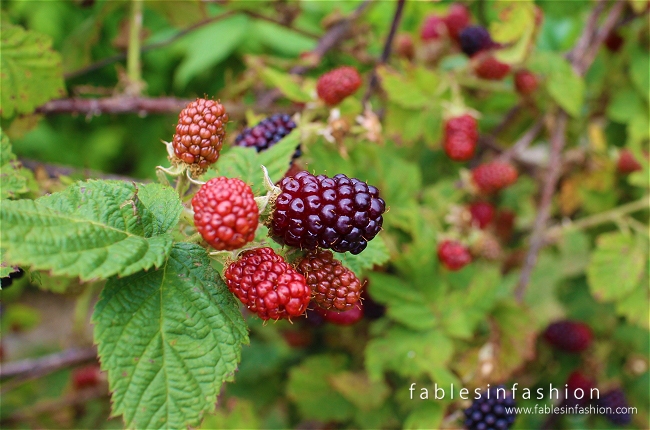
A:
(603, 217)
(133, 66)
(182, 185)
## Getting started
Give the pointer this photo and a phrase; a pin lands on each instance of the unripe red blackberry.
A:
(482, 213)
(337, 84)
(453, 255)
(474, 39)
(404, 46)
(494, 176)
(86, 377)
(489, 410)
(614, 41)
(225, 213)
(200, 132)
(460, 137)
(570, 336)
(267, 285)
(627, 163)
(525, 82)
(578, 381)
(432, 28)
(266, 133)
(456, 20)
(615, 403)
(490, 68)
(339, 213)
(488, 247)
(332, 284)
(348, 317)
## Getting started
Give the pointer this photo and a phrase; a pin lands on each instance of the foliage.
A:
(178, 350)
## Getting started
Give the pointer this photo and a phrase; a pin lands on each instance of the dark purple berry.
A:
(267, 133)
(475, 38)
(491, 413)
(617, 407)
(339, 213)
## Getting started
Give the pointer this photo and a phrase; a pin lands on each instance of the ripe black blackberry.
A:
(475, 38)
(490, 413)
(267, 133)
(614, 400)
(339, 213)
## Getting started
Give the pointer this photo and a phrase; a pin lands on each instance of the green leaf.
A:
(208, 46)
(282, 39)
(359, 390)
(246, 163)
(93, 229)
(514, 20)
(409, 353)
(376, 254)
(308, 387)
(168, 338)
(428, 415)
(287, 84)
(639, 64)
(624, 105)
(616, 266)
(515, 340)
(239, 415)
(402, 90)
(574, 248)
(30, 71)
(562, 82)
(635, 306)
(11, 182)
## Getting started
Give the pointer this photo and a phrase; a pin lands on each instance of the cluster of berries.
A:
(312, 213)
(575, 337)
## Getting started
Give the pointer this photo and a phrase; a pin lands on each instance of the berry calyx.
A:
(86, 377)
(453, 255)
(490, 68)
(200, 133)
(332, 284)
(570, 336)
(339, 213)
(615, 402)
(578, 381)
(225, 213)
(494, 176)
(489, 410)
(457, 19)
(525, 82)
(266, 133)
(348, 317)
(433, 28)
(482, 213)
(337, 84)
(627, 163)
(267, 285)
(460, 137)
(474, 39)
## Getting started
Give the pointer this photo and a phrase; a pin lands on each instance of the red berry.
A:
(577, 380)
(267, 285)
(456, 20)
(339, 213)
(404, 46)
(614, 41)
(433, 27)
(86, 377)
(200, 132)
(460, 137)
(504, 224)
(570, 336)
(491, 69)
(337, 84)
(493, 176)
(627, 163)
(225, 213)
(525, 82)
(482, 213)
(453, 255)
(349, 317)
(332, 284)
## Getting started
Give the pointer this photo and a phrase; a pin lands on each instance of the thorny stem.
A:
(133, 64)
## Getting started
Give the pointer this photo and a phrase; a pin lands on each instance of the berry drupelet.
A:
(489, 410)
(339, 213)
(332, 284)
(267, 285)
(266, 133)
(200, 132)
